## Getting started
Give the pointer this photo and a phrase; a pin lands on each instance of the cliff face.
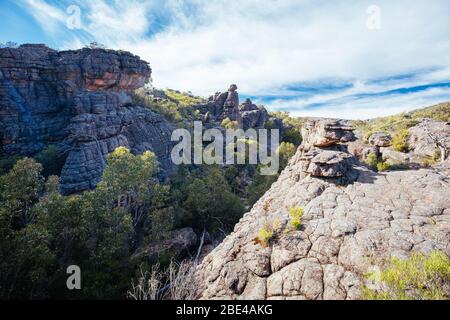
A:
(354, 219)
(78, 101)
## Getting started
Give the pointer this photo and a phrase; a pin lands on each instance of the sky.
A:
(352, 59)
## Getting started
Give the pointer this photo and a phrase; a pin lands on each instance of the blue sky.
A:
(342, 58)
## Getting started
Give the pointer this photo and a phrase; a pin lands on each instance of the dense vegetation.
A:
(175, 105)
(105, 230)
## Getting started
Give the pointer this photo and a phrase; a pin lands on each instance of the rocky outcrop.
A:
(79, 101)
(323, 154)
(225, 105)
(252, 116)
(348, 228)
(430, 140)
(380, 139)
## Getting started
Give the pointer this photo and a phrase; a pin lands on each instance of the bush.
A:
(268, 232)
(210, 202)
(51, 161)
(228, 124)
(286, 151)
(6, 164)
(417, 278)
(296, 215)
(371, 160)
(383, 166)
(400, 140)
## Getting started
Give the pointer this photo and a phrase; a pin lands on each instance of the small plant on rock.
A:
(383, 166)
(371, 160)
(400, 140)
(296, 215)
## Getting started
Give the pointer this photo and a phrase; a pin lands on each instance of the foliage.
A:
(383, 166)
(292, 127)
(42, 232)
(400, 140)
(183, 99)
(6, 164)
(228, 124)
(20, 190)
(265, 235)
(296, 215)
(417, 278)
(397, 123)
(211, 203)
(268, 232)
(286, 151)
(25, 260)
(371, 160)
(177, 106)
(259, 186)
(52, 163)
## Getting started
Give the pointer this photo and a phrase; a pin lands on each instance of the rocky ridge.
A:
(354, 220)
(80, 102)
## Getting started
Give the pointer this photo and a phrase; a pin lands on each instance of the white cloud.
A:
(264, 46)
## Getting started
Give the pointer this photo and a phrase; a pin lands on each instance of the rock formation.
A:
(252, 116)
(226, 105)
(79, 101)
(354, 220)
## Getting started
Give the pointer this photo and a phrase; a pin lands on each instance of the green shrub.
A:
(265, 235)
(400, 140)
(268, 232)
(286, 151)
(296, 215)
(51, 161)
(383, 166)
(6, 164)
(417, 278)
(371, 160)
(228, 124)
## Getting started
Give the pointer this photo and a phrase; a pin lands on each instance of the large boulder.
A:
(380, 139)
(324, 133)
(425, 137)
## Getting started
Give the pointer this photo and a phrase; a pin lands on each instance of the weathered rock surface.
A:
(380, 139)
(428, 139)
(226, 105)
(252, 116)
(347, 228)
(78, 101)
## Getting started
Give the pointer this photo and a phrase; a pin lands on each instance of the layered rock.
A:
(323, 154)
(79, 101)
(347, 228)
(225, 105)
(252, 116)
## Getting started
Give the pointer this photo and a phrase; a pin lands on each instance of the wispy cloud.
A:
(309, 57)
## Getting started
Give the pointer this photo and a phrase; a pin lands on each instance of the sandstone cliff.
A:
(78, 101)
(354, 219)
